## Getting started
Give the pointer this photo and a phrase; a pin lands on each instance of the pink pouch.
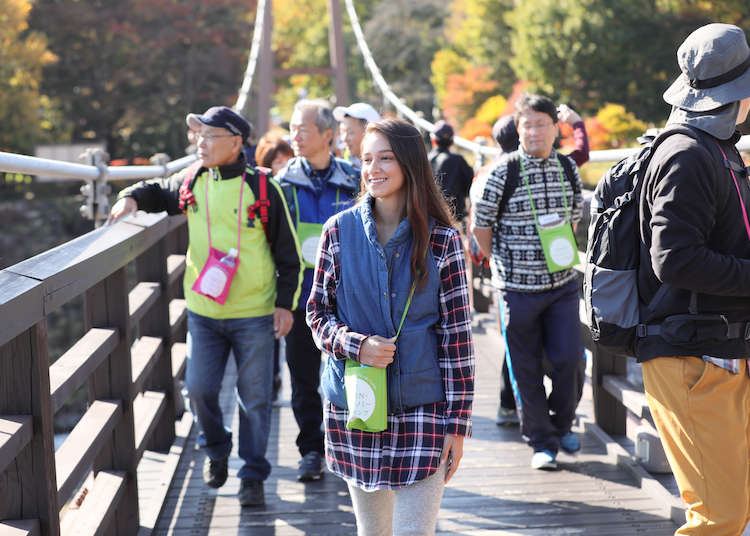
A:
(216, 277)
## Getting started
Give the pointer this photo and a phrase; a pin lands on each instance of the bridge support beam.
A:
(337, 52)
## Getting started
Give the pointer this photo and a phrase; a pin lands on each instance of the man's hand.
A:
(123, 207)
(483, 236)
(282, 322)
(377, 351)
(453, 451)
(565, 114)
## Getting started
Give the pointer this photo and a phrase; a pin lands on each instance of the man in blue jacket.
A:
(316, 185)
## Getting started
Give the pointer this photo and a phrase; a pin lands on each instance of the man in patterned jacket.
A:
(523, 221)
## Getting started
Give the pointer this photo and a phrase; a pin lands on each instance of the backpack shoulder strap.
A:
(512, 178)
(260, 207)
(567, 166)
(187, 199)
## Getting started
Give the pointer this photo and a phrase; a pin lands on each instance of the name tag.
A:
(550, 220)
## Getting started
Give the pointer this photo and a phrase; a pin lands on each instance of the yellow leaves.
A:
(491, 110)
(621, 125)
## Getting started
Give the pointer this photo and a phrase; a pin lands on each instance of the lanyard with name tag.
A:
(555, 232)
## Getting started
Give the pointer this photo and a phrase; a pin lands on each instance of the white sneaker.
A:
(544, 460)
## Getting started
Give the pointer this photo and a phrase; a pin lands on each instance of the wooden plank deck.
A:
(494, 491)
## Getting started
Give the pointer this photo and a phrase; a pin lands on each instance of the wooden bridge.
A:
(130, 466)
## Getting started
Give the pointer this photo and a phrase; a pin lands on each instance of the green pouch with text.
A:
(366, 397)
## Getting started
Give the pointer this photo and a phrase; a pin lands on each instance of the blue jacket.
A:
(317, 198)
(371, 295)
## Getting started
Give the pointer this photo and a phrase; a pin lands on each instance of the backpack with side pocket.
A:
(610, 283)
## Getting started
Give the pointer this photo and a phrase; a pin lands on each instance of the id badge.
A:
(216, 277)
(559, 246)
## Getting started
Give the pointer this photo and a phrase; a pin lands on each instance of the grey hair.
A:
(324, 119)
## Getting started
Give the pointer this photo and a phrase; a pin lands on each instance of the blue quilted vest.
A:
(371, 296)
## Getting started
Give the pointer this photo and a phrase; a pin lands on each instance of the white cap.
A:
(359, 110)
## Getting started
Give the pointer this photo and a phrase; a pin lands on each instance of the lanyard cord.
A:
(296, 203)
(737, 185)
(239, 213)
(562, 184)
(411, 295)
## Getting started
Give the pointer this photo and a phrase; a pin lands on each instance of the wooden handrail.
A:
(132, 388)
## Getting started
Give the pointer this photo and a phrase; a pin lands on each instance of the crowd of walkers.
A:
(361, 259)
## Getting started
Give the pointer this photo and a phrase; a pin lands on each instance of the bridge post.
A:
(152, 266)
(106, 306)
(337, 52)
(609, 412)
(28, 486)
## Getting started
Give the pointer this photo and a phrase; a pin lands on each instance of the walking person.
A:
(242, 281)
(452, 173)
(523, 218)
(353, 120)
(694, 278)
(505, 134)
(396, 259)
(317, 185)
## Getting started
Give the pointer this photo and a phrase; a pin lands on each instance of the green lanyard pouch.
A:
(366, 390)
(555, 234)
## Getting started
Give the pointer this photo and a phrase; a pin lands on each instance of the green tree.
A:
(403, 36)
(129, 71)
(589, 52)
(23, 54)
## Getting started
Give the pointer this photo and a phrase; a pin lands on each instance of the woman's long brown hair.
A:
(423, 198)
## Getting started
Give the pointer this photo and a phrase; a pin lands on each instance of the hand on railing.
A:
(123, 207)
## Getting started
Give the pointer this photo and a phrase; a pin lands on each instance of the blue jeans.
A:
(251, 340)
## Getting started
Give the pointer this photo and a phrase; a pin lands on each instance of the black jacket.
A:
(694, 244)
(454, 175)
(159, 195)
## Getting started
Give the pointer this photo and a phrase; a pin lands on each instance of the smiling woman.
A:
(390, 292)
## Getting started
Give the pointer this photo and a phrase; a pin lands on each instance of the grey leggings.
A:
(411, 510)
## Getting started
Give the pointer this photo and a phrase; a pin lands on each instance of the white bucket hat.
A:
(715, 65)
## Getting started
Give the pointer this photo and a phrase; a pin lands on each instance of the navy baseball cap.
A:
(222, 117)
(443, 130)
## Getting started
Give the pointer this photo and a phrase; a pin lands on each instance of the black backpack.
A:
(610, 283)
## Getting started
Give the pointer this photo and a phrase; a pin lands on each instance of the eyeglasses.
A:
(535, 126)
(214, 136)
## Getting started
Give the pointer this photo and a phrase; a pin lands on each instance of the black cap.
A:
(505, 133)
(222, 117)
(442, 130)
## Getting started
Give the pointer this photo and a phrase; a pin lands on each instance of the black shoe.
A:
(276, 387)
(215, 472)
(251, 493)
(310, 467)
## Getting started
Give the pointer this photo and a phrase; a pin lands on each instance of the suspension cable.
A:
(252, 60)
(393, 98)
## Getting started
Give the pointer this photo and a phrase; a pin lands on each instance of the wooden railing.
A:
(129, 358)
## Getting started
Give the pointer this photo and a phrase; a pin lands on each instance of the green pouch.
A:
(366, 397)
(366, 389)
(558, 240)
(559, 245)
(309, 240)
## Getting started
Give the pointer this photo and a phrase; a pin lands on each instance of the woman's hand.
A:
(377, 351)
(453, 451)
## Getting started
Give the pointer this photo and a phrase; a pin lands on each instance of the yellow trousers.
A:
(702, 413)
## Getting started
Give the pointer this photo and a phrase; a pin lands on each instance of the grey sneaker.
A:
(506, 417)
(215, 472)
(251, 493)
(310, 467)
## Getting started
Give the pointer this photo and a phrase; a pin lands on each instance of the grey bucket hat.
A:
(715, 65)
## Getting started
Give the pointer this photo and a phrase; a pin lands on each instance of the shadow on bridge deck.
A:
(494, 490)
